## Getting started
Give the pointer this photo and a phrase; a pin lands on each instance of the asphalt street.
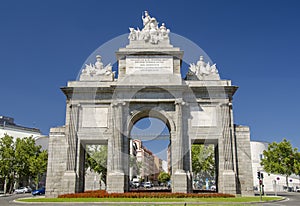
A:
(292, 199)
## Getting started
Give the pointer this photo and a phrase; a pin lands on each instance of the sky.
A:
(255, 43)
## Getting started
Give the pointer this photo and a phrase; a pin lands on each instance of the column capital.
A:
(179, 101)
(118, 103)
(75, 105)
(226, 104)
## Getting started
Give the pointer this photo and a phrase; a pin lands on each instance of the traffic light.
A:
(262, 175)
(260, 182)
(258, 175)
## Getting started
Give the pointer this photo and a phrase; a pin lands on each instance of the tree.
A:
(96, 160)
(280, 158)
(7, 157)
(297, 163)
(163, 177)
(203, 161)
(25, 151)
(38, 166)
(18, 159)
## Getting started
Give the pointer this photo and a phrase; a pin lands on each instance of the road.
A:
(292, 199)
(7, 200)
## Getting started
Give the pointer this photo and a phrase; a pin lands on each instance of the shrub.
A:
(104, 194)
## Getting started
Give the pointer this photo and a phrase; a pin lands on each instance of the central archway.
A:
(149, 144)
(150, 113)
(150, 153)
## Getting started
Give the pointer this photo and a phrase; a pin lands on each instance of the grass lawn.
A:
(208, 200)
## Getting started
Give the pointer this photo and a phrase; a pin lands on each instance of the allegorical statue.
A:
(203, 70)
(97, 72)
(98, 63)
(151, 32)
(146, 21)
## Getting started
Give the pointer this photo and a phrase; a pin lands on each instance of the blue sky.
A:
(255, 43)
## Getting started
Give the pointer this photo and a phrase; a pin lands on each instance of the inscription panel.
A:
(206, 117)
(94, 117)
(149, 65)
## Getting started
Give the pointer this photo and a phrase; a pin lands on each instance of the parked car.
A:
(40, 191)
(147, 185)
(23, 190)
(136, 184)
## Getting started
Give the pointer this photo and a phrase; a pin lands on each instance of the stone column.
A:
(179, 138)
(72, 138)
(227, 174)
(80, 167)
(227, 138)
(118, 136)
(116, 176)
(233, 142)
(179, 178)
(70, 177)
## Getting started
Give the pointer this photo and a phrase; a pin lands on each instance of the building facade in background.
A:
(271, 182)
(147, 166)
(9, 127)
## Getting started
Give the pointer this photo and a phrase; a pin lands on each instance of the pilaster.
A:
(116, 175)
(70, 176)
(180, 178)
(227, 174)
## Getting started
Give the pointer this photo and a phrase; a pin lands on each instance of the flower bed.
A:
(104, 194)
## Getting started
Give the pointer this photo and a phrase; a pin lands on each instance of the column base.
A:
(116, 182)
(229, 182)
(180, 182)
(69, 182)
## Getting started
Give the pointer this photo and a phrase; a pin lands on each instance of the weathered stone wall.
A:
(56, 161)
(244, 163)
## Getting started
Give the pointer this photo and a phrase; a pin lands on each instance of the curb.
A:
(152, 203)
(5, 195)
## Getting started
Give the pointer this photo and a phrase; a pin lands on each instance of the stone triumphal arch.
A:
(101, 109)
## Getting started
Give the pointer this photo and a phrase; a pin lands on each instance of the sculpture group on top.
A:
(203, 71)
(97, 72)
(151, 32)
